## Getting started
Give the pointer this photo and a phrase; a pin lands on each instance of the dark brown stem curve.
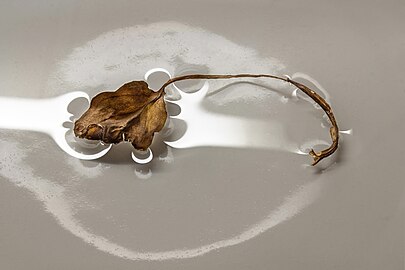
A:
(334, 130)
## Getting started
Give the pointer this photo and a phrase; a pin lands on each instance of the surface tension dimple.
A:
(142, 157)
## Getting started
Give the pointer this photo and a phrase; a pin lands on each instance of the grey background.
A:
(355, 48)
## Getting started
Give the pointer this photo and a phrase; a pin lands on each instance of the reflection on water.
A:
(49, 116)
(203, 128)
(206, 128)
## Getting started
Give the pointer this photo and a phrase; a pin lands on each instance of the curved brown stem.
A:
(334, 130)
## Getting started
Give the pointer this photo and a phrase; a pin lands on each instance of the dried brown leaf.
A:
(133, 113)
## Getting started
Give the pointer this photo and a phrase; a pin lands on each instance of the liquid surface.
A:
(203, 203)
(191, 198)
